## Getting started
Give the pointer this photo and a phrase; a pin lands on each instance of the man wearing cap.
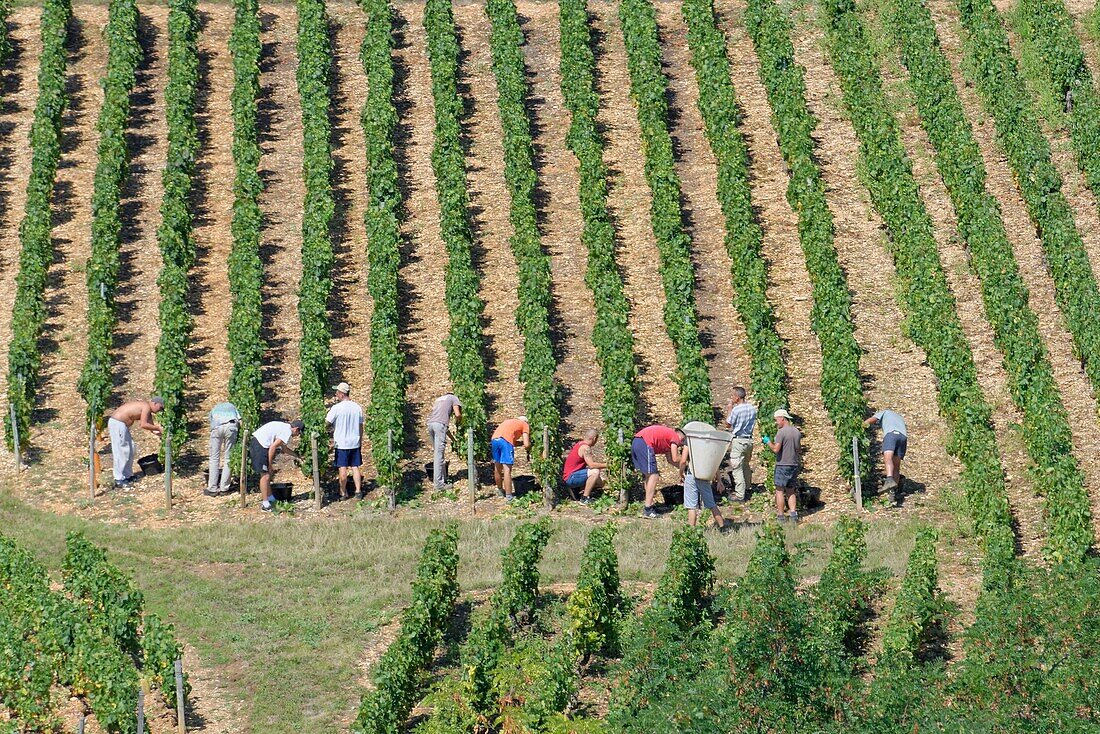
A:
(508, 434)
(225, 423)
(787, 448)
(346, 419)
(439, 420)
(895, 439)
(741, 418)
(647, 443)
(122, 442)
(267, 441)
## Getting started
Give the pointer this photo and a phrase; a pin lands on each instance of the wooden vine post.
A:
(548, 490)
(181, 719)
(624, 491)
(391, 492)
(15, 440)
(316, 472)
(141, 711)
(857, 486)
(91, 462)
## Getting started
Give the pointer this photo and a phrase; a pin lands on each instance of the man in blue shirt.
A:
(895, 438)
(741, 418)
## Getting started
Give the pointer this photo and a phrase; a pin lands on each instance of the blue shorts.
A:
(785, 475)
(696, 490)
(577, 478)
(896, 442)
(349, 457)
(642, 456)
(503, 452)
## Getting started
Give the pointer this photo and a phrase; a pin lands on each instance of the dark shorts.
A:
(785, 476)
(258, 455)
(577, 478)
(349, 457)
(642, 456)
(895, 442)
(503, 452)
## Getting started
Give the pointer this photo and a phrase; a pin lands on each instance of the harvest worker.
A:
(581, 469)
(647, 443)
(787, 448)
(508, 434)
(122, 443)
(741, 418)
(698, 491)
(267, 441)
(439, 420)
(225, 424)
(895, 438)
(346, 419)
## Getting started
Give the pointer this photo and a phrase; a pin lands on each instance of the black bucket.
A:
(429, 470)
(674, 495)
(283, 491)
(150, 465)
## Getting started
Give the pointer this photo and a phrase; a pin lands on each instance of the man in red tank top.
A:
(581, 469)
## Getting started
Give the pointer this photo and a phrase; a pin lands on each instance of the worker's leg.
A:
(706, 501)
(357, 480)
(229, 442)
(265, 486)
(122, 453)
(740, 454)
(592, 482)
(438, 433)
(506, 470)
(343, 474)
(498, 477)
(780, 501)
(792, 500)
(693, 517)
(719, 520)
(650, 488)
(213, 468)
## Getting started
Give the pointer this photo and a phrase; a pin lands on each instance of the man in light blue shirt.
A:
(895, 438)
(225, 424)
(741, 418)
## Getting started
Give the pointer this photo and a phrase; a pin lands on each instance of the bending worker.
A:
(225, 424)
(267, 441)
(647, 443)
(508, 434)
(895, 438)
(122, 442)
(439, 420)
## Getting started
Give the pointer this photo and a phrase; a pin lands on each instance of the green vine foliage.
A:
(541, 395)
(611, 333)
(246, 270)
(989, 62)
(1048, 26)
(684, 591)
(843, 594)
(519, 590)
(112, 602)
(465, 343)
(5, 41)
(831, 314)
(383, 224)
(918, 611)
(648, 86)
(1046, 431)
(315, 352)
(931, 319)
(398, 675)
(595, 608)
(124, 53)
(159, 652)
(36, 247)
(720, 110)
(175, 238)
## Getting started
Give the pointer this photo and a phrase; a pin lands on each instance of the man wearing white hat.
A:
(787, 448)
(346, 419)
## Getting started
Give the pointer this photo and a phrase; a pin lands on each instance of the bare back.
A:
(135, 410)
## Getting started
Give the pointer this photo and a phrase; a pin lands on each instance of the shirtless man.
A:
(122, 443)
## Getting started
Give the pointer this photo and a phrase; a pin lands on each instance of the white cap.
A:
(782, 414)
(343, 387)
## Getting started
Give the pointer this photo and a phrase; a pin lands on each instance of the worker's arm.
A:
(870, 422)
(458, 413)
(146, 421)
(675, 453)
(775, 446)
(591, 463)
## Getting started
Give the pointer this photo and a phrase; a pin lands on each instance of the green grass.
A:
(281, 609)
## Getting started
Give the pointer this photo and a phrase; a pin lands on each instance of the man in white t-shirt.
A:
(267, 441)
(346, 419)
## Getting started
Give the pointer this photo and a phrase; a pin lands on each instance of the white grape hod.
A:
(707, 447)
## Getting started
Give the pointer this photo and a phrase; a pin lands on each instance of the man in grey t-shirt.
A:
(787, 448)
(895, 438)
(438, 421)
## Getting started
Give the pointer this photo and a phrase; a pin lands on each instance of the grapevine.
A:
(648, 86)
(124, 53)
(36, 247)
(540, 393)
